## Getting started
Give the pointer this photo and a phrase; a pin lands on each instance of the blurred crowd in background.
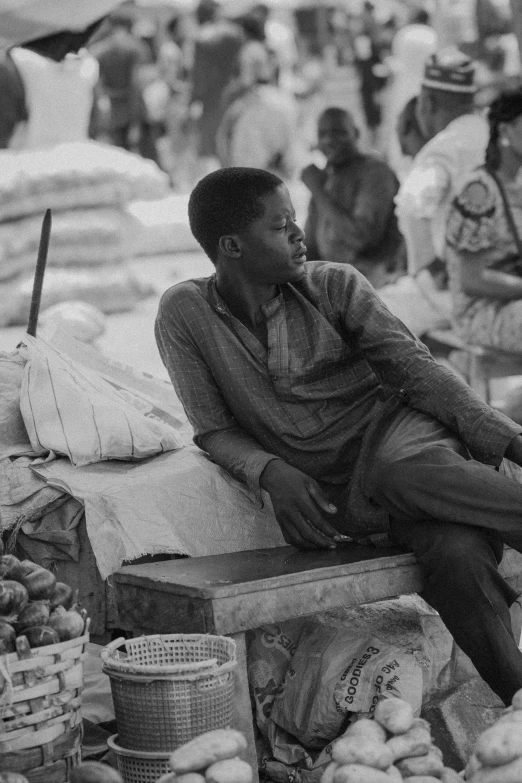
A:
(235, 82)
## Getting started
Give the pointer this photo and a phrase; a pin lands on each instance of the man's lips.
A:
(301, 254)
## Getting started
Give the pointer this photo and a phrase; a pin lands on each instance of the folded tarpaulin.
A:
(176, 503)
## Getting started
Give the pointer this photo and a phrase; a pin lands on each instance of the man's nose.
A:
(297, 232)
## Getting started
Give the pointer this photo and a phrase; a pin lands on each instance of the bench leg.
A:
(244, 720)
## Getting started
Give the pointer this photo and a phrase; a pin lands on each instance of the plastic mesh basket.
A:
(168, 689)
(137, 766)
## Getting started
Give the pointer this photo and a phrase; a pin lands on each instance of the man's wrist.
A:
(267, 473)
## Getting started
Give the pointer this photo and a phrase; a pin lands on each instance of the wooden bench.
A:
(231, 594)
(478, 365)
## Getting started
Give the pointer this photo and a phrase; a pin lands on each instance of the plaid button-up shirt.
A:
(338, 364)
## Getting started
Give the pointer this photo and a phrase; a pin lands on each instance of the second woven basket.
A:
(169, 688)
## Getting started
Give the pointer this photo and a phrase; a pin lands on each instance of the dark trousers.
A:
(455, 514)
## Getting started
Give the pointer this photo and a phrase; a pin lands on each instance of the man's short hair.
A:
(227, 201)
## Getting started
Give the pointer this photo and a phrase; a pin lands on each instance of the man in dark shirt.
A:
(351, 217)
(298, 381)
(13, 110)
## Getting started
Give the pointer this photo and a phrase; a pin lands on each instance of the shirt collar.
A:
(219, 304)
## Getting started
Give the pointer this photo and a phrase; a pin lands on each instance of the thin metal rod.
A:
(39, 273)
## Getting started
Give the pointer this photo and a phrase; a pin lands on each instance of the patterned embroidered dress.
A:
(477, 226)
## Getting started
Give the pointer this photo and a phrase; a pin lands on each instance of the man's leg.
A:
(463, 584)
(421, 471)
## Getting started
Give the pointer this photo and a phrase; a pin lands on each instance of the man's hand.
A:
(298, 503)
(313, 177)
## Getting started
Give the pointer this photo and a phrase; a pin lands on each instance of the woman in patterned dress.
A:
(484, 262)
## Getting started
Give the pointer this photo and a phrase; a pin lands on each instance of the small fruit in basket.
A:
(67, 624)
(94, 772)
(10, 567)
(12, 777)
(206, 749)
(39, 583)
(40, 635)
(62, 595)
(35, 613)
(13, 598)
(233, 770)
(7, 637)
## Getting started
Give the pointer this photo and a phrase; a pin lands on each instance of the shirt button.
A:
(273, 377)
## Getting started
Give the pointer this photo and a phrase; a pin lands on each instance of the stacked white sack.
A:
(88, 186)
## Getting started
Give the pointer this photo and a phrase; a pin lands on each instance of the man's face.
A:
(337, 137)
(272, 249)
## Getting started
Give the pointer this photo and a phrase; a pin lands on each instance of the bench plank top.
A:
(220, 576)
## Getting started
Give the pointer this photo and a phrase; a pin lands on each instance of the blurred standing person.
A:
(120, 55)
(368, 61)
(13, 111)
(259, 127)
(351, 217)
(456, 143)
(172, 71)
(215, 64)
(411, 47)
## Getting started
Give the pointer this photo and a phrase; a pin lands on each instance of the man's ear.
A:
(229, 246)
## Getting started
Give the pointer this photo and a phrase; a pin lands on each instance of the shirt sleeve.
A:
(424, 189)
(364, 225)
(405, 367)
(216, 431)
(473, 219)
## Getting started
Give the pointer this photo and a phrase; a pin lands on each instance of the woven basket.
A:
(40, 709)
(137, 766)
(167, 689)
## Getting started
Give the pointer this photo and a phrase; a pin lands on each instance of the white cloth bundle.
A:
(75, 174)
(70, 409)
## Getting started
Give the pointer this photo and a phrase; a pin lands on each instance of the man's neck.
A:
(244, 299)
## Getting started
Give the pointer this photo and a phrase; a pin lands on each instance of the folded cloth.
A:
(175, 503)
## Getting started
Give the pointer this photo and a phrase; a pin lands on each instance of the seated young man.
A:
(298, 380)
(351, 217)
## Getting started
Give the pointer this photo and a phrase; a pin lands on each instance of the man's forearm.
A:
(237, 452)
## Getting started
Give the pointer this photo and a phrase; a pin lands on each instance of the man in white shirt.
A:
(457, 139)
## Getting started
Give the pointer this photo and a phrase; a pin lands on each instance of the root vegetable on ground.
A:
(395, 715)
(500, 744)
(206, 749)
(358, 773)
(358, 750)
(366, 728)
(233, 770)
(415, 742)
(430, 764)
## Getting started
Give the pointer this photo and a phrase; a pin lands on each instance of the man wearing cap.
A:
(457, 140)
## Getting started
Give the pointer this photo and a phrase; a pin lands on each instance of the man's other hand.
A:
(313, 177)
(299, 503)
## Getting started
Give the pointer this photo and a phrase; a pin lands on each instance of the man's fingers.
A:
(311, 533)
(320, 498)
(293, 537)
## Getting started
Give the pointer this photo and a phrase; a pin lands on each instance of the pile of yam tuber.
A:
(497, 756)
(392, 748)
(212, 757)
